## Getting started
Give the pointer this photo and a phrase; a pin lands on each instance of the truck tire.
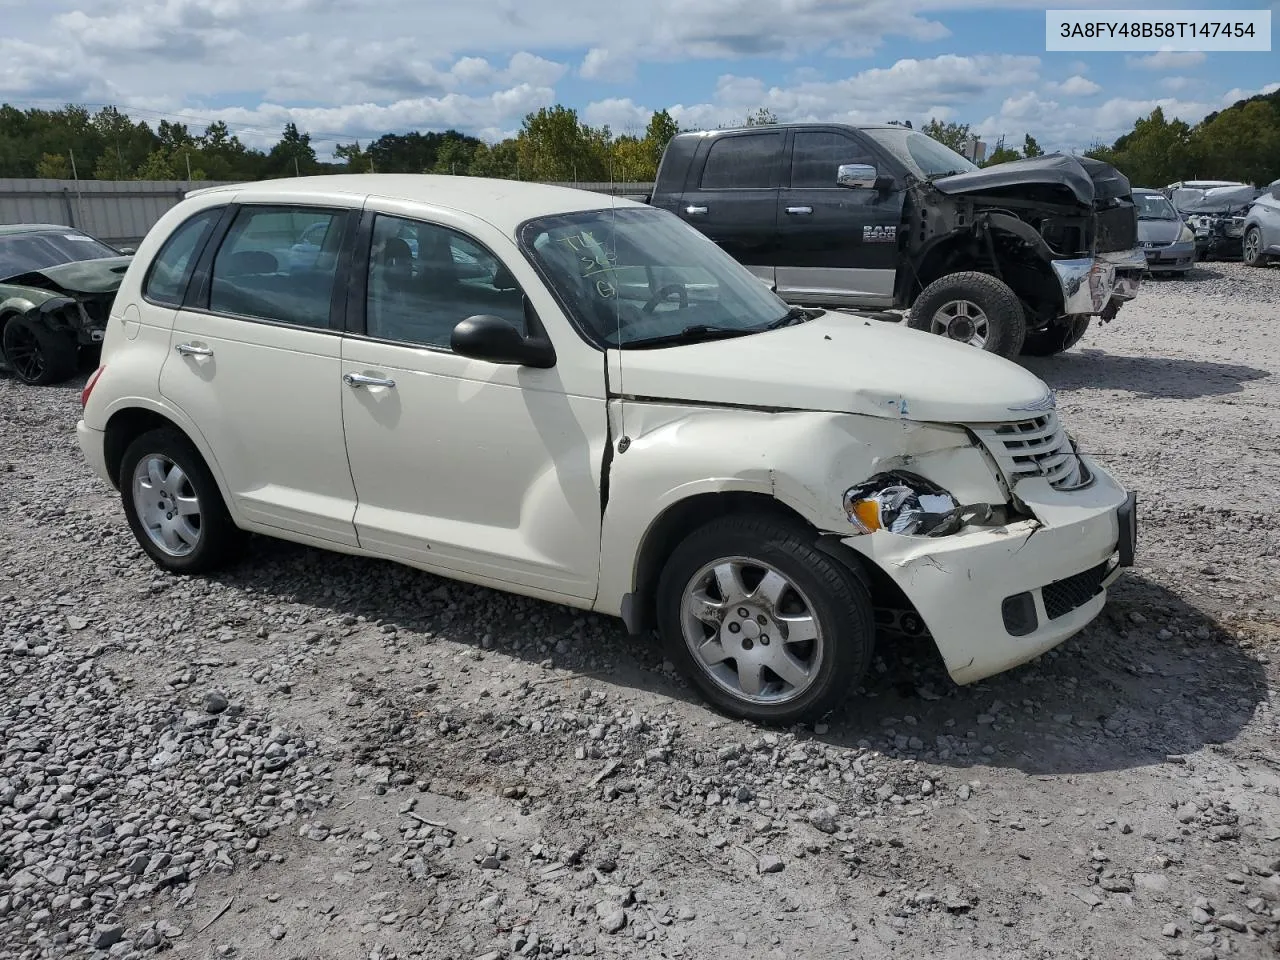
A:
(38, 356)
(1056, 337)
(974, 308)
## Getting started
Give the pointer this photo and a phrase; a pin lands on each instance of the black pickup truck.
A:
(1015, 258)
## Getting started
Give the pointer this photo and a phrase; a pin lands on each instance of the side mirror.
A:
(494, 340)
(856, 175)
(127, 251)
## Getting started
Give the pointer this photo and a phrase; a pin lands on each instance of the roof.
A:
(504, 203)
(9, 229)
(762, 128)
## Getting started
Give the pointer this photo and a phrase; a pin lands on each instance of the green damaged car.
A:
(56, 289)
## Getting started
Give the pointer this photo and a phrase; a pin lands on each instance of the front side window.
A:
(269, 268)
(742, 162)
(167, 279)
(637, 277)
(819, 154)
(425, 279)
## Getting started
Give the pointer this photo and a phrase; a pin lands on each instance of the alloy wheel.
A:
(962, 320)
(167, 505)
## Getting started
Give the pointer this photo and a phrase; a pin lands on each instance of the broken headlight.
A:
(907, 504)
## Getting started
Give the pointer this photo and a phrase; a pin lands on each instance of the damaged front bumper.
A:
(1092, 284)
(996, 597)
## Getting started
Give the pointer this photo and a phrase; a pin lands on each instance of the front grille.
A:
(1063, 596)
(1035, 448)
(1117, 228)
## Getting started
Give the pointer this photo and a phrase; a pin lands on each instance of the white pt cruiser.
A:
(562, 395)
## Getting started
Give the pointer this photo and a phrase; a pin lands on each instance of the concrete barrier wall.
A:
(121, 212)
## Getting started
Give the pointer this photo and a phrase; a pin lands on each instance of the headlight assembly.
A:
(906, 504)
(1186, 235)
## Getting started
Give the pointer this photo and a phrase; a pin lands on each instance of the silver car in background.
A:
(1262, 228)
(1169, 244)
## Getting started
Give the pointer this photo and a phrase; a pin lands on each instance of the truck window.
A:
(818, 153)
(742, 162)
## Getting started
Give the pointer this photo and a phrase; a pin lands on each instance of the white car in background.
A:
(597, 406)
(1262, 228)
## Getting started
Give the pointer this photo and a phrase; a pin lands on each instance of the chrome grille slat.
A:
(1035, 447)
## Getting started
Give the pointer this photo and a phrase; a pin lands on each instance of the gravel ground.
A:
(319, 756)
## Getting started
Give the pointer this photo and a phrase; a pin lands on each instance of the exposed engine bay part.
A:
(909, 505)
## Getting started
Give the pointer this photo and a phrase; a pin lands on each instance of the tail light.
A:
(88, 387)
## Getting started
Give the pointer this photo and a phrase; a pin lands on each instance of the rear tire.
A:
(767, 627)
(1251, 249)
(1055, 338)
(972, 307)
(37, 355)
(173, 504)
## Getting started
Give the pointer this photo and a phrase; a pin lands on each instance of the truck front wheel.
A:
(1056, 337)
(973, 308)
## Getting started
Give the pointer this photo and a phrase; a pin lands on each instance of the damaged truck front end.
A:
(1036, 247)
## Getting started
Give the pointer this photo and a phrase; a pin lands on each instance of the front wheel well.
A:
(683, 517)
(123, 428)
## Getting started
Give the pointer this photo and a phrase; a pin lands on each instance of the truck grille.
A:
(1118, 228)
(1035, 448)
(1063, 596)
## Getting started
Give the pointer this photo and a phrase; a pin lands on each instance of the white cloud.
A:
(605, 65)
(1168, 60)
(1064, 127)
(1075, 86)
(619, 115)
(1175, 84)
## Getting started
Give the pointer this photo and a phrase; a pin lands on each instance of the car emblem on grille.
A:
(1047, 402)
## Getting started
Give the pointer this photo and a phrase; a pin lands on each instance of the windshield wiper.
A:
(794, 315)
(697, 333)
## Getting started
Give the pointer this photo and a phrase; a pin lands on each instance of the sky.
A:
(355, 69)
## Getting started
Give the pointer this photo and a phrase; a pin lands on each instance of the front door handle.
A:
(799, 211)
(191, 350)
(695, 210)
(360, 380)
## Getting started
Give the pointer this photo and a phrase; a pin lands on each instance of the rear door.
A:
(254, 362)
(732, 196)
(835, 244)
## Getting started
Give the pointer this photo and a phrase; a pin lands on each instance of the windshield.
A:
(1154, 206)
(630, 276)
(24, 252)
(923, 156)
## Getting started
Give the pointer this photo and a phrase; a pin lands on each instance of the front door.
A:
(470, 468)
(837, 245)
(733, 197)
(253, 360)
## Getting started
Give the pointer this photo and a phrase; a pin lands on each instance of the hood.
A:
(1159, 231)
(80, 276)
(1222, 200)
(1089, 180)
(840, 363)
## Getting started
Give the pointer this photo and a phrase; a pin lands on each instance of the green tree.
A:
(455, 154)
(661, 129)
(1241, 144)
(356, 159)
(1001, 154)
(762, 117)
(1030, 148)
(954, 135)
(501, 160)
(54, 166)
(554, 145)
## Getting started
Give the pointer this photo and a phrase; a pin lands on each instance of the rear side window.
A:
(167, 277)
(279, 263)
(743, 162)
(818, 154)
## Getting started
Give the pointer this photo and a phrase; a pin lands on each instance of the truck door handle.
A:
(360, 380)
(798, 211)
(694, 210)
(191, 350)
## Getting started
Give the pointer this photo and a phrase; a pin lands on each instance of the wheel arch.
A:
(682, 517)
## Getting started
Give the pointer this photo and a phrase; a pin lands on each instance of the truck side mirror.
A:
(856, 175)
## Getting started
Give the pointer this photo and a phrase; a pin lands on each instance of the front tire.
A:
(1055, 338)
(973, 308)
(1251, 249)
(173, 504)
(767, 627)
(38, 356)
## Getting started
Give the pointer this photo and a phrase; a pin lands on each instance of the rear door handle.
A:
(191, 350)
(360, 380)
(695, 210)
(799, 211)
